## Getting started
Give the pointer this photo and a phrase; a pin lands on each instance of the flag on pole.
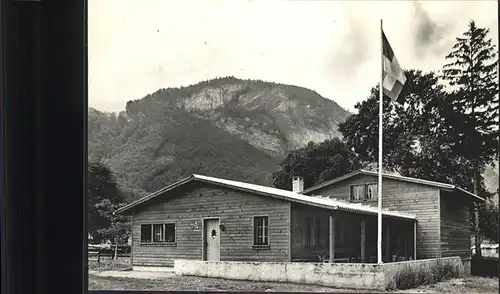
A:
(393, 77)
(392, 81)
(380, 137)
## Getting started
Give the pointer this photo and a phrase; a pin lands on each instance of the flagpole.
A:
(379, 186)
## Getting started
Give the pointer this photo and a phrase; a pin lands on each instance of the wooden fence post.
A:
(98, 260)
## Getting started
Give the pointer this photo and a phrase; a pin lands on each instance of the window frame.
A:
(268, 231)
(351, 192)
(158, 235)
(163, 230)
(148, 226)
(365, 192)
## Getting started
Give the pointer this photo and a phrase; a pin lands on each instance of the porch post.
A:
(332, 238)
(363, 239)
(415, 240)
(387, 244)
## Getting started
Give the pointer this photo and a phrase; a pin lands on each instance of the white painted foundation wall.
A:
(338, 275)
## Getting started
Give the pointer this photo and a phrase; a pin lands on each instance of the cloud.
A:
(349, 52)
(429, 33)
(332, 47)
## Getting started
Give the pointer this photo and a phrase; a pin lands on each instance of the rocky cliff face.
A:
(271, 117)
(225, 127)
(231, 128)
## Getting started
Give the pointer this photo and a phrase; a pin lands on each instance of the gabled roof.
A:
(443, 186)
(321, 202)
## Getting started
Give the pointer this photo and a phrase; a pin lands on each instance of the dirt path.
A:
(133, 274)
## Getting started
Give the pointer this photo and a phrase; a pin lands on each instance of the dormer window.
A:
(357, 192)
(364, 192)
(371, 192)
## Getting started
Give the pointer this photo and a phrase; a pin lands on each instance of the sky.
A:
(333, 47)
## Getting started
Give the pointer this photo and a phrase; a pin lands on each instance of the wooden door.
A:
(212, 240)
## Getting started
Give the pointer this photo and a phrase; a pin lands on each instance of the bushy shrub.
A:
(405, 279)
(106, 263)
(412, 277)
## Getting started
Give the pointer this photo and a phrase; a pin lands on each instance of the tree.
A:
(471, 112)
(415, 141)
(119, 226)
(103, 199)
(422, 119)
(488, 220)
(316, 163)
(472, 108)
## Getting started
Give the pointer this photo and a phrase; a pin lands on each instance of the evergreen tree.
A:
(471, 112)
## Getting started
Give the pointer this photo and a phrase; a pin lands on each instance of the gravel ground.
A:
(133, 274)
(466, 285)
(165, 281)
(152, 282)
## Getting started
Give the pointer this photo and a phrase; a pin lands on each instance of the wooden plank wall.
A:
(417, 199)
(196, 201)
(455, 225)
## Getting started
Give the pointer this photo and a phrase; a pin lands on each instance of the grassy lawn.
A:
(466, 285)
(184, 283)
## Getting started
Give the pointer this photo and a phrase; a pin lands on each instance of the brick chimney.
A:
(297, 184)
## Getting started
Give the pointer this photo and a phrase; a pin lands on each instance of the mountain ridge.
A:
(226, 127)
(286, 115)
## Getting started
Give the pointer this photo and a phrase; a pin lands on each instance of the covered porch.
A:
(345, 235)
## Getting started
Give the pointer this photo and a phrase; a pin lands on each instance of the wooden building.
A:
(208, 218)
(442, 210)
